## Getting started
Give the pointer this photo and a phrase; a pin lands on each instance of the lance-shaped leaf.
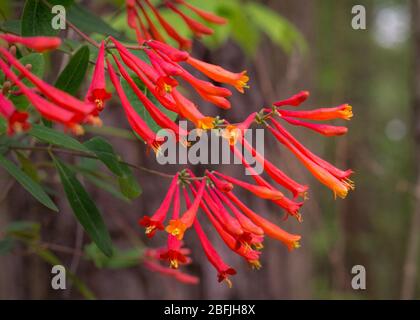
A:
(89, 22)
(105, 152)
(30, 185)
(56, 138)
(84, 208)
(73, 74)
(36, 19)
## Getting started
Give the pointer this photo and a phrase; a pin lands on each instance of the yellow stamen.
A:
(150, 229)
(77, 130)
(347, 113)
(176, 228)
(258, 246)
(228, 282)
(99, 104)
(174, 264)
(255, 264)
(206, 123)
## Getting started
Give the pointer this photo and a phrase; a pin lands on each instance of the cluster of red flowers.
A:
(146, 30)
(52, 103)
(241, 229)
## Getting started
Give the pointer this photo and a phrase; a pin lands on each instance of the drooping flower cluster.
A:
(211, 196)
(139, 19)
(242, 229)
(53, 104)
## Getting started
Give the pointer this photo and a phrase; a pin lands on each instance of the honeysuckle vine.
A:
(164, 74)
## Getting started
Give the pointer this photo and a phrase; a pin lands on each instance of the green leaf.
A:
(30, 185)
(243, 32)
(56, 138)
(89, 22)
(74, 73)
(84, 208)
(3, 129)
(36, 19)
(27, 166)
(120, 258)
(104, 185)
(140, 109)
(128, 184)
(12, 26)
(105, 152)
(23, 230)
(6, 245)
(277, 28)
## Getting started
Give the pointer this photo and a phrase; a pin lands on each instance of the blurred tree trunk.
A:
(410, 265)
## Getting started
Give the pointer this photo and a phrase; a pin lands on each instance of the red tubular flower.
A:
(205, 86)
(259, 191)
(59, 97)
(217, 73)
(170, 69)
(270, 229)
(182, 42)
(16, 121)
(223, 186)
(158, 116)
(136, 122)
(245, 222)
(223, 270)
(178, 227)
(97, 92)
(196, 27)
(162, 84)
(154, 31)
(174, 252)
(251, 256)
(47, 109)
(343, 111)
(164, 100)
(341, 174)
(189, 110)
(294, 100)
(176, 274)
(39, 44)
(172, 53)
(149, 71)
(290, 206)
(208, 16)
(340, 186)
(326, 130)
(276, 174)
(231, 224)
(155, 222)
(221, 102)
(135, 23)
(235, 132)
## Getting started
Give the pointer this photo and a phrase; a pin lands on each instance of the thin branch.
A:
(90, 156)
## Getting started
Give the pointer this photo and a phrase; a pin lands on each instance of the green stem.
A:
(50, 150)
